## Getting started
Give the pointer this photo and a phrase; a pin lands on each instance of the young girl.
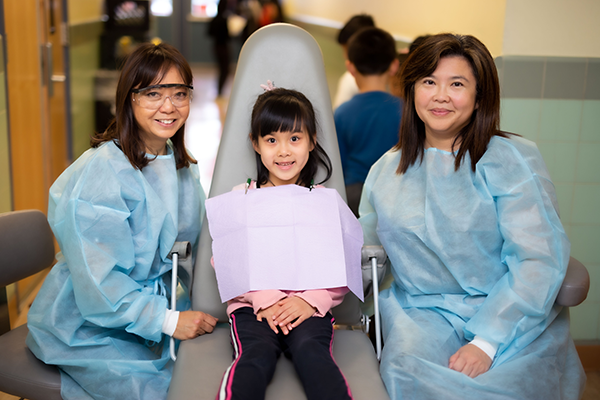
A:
(268, 322)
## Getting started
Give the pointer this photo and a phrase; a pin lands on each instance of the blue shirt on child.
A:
(367, 126)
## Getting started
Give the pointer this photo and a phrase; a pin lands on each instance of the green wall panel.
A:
(556, 103)
(84, 57)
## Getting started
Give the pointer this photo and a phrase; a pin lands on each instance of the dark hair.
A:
(148, 64)
(415, 43)
(372, 51)
(353, 25)
(222, 8)
(287, 110)
(485, 120)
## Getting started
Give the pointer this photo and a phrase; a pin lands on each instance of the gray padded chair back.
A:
(575, 286)
(26, 248)
(289, 57)
(26, 245)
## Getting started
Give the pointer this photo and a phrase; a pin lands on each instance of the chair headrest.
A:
(290, 57)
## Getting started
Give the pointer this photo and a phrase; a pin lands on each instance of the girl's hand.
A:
(292, 308)
(192, 324)
(470, 360)
(268, 314)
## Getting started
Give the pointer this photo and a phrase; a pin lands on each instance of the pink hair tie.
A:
(268, 87)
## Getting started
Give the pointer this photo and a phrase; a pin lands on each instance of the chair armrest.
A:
(181, 253)
(373, 270)
(184, 260)
(575, 286)
(368, 253)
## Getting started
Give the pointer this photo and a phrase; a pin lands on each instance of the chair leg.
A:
(376, 308)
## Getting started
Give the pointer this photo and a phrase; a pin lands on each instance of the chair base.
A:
(201, 363)
(21, 373)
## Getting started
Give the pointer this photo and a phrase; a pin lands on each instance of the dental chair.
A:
(289, 57)
(26, 248)
(575, 286)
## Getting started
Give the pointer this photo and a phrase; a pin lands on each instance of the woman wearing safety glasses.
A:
(102, 314)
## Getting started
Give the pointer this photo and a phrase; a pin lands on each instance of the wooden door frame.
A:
(24, 84)
(67, 73)
(33, 167)
(37, 156)
(55, 81)
(5, 100)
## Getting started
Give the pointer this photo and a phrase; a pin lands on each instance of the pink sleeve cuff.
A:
(323, 299)
(261, 299)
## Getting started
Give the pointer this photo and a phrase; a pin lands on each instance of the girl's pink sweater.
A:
(321, 299)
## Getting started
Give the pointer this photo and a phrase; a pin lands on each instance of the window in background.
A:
(161, 8)
(204, 8)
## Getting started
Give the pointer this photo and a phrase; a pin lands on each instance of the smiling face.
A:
(157, 126)
(284, 154)
(445, 101)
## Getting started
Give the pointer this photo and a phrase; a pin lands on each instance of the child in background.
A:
(367, 125)
(266, 323)
(219, 31)
(347, 85)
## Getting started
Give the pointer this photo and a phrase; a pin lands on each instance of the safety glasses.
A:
(153, 97)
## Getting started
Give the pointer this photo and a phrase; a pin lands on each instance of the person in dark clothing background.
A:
(218, 30)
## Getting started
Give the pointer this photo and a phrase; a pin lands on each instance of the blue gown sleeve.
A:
(368, 221)
(107, 229)
(368, 217)
(535, 247)
(366, 209)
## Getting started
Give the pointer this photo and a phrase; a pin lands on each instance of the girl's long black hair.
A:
(287, 110)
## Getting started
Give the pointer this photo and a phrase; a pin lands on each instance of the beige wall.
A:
(409, 18)
(85, 10)
(552, 28)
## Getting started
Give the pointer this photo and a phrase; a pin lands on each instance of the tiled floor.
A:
(592, 387)
(203, 134)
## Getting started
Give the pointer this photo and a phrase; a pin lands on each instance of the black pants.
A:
(257, 348)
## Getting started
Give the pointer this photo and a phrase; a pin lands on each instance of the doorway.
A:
(37, 95)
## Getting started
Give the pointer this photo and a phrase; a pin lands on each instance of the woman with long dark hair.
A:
(102, 314)
(469, 218)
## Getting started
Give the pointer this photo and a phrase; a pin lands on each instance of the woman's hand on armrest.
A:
(470, 360)
(192, 324)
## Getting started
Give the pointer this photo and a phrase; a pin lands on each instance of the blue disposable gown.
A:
(472, 253)
(99, 313)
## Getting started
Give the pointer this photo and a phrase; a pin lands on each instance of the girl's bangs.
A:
(282, 119)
